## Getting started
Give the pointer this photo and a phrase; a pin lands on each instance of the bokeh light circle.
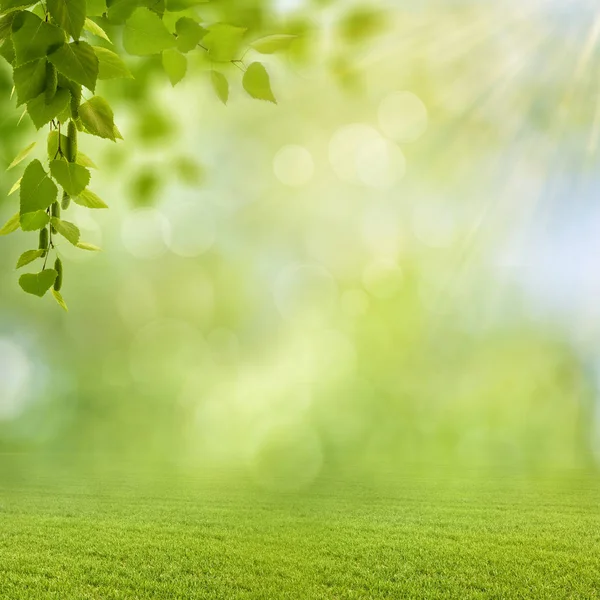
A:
(294, 166)
(145, 233)
(403, 117)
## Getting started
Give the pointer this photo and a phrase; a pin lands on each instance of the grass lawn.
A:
(418, 537)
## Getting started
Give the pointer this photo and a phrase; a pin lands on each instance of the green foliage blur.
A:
(319, 286)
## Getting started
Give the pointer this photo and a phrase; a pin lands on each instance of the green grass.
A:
(420, 537)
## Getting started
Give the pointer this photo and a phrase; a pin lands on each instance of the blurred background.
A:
(395, 266)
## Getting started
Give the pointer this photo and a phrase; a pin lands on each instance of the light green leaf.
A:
(78, 62)
(95, 29)
(32, 221)
(22, 155)
(257, 83)
(146, 34)
(58, 297)
(98, 118)
(33, 38)
(69, 14)
(110, 65)
(95, 8)
(38, 191)
(175, 65)
(11, 225)
(15, 187)
(189, 34)
(85, 161)
(223, 41)
(72, 177)
(38, 283)
(273, 43)
(220, 85)
(67, 230)
(42, 113)
(90, 247)
(30, 80)
(28, 257)
(88, 199)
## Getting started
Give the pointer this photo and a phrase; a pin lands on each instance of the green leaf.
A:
(98, 118)
(72, 177)
(22, 155)
(95, 29)
(146, 34)
(30, 80)
(6, 25)
(95, 8)
(33, 38)
(15, 187)
(32, 221)
(257, 83)
(189, 34)
(110, 65)
(42, 113)
(175, 65)
(120, 10)
(68, 230)
(220, 85)
(58, 297)
(38, 191)
(8, 6)
(7, 51)
(181, 5)
(28, 257)
(223, 41)
(53, 144)
(11, 225)
(78, 62)
(88, 199)
(273, 43)
(85, 161)
(68, 14)
(38, 283)
(90, 247)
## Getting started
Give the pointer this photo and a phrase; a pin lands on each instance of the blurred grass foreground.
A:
(345, 346)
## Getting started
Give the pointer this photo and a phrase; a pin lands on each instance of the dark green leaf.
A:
(8, 6)
(38, 283)
(78, 62)
(42, 113)
(120, 10)
(69, 14)
(38, 191)
(72, 177)
(30, 80)
(7, 51)
(33, 38)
